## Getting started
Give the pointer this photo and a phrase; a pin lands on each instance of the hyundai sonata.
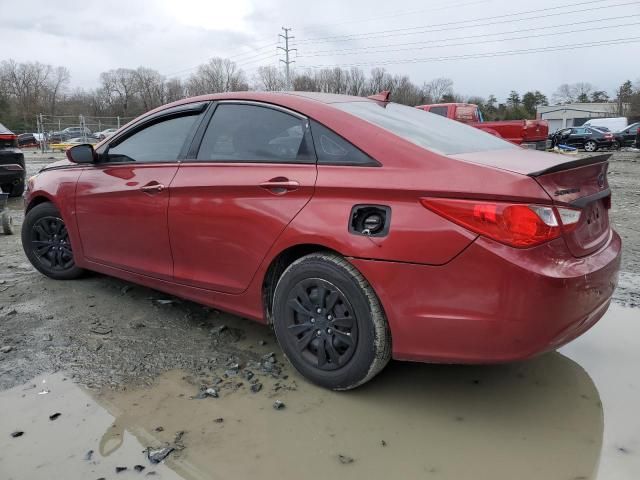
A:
(358, 228)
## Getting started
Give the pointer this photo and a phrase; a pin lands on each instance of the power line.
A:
(430, 28)
(477, 42)
(617, 41)
(396, 14)
(482, 35)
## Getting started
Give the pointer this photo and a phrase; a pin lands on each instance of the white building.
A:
(575, 114)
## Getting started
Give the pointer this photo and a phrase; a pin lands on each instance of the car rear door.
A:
(250, 171)
(122, 201)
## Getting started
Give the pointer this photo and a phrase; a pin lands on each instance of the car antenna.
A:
(383, 96)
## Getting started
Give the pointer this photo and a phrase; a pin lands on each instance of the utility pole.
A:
(286, 51)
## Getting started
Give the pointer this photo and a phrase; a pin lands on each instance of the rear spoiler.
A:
(581, 162)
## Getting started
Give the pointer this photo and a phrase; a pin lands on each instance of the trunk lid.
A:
(573, 183)
(585, 187)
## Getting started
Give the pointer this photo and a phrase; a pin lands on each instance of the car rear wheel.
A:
(590, 146)
(616, 145)
(46, 243)
(329, 322)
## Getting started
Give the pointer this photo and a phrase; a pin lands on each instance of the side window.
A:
(160, 141)
(442, 111)
(332, 149)
(250, 133)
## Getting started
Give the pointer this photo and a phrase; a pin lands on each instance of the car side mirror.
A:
(81, 154)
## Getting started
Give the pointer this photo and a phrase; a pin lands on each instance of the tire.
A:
(616, 145)
(590, 146)
(46, 243)
(17, 189)
(7, 223)
(329, 322)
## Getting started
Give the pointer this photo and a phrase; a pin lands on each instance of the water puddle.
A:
(567, 415)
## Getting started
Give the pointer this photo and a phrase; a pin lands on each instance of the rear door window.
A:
(254, 133)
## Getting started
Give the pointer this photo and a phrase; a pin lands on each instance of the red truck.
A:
(528, 133)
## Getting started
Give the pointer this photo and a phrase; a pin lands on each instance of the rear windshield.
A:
(425, 129)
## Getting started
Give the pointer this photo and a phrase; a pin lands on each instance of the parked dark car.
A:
(626, 137)
(27, 140)
(588, 138)
(67, 133)
(12, 170)
(358, 228)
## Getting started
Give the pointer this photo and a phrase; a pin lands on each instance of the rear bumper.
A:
(493, 303)
(538, 145)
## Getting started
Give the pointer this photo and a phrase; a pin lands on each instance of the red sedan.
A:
(358, 228)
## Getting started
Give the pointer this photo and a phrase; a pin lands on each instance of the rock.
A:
(256, 387)
(159, 454)
(125, 289)
(120, 469)
(139, 468)
(54, 416)
(6, 349)
(101, 330)
(219, 420)
(17, 434)
(278, 405)
(248, 374)
(159, 429)
(345, 460)
(383, 443)
(211, 392)
(165, 301)
(219, 329)
(11, 312)
(88, 455)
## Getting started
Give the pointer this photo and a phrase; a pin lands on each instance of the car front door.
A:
(252, 171)
(122, 201)
(576, 137)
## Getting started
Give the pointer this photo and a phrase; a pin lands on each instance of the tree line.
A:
(31, 88)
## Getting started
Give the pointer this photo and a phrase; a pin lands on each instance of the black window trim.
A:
(196, 143)
(372, 163)
(187, 109)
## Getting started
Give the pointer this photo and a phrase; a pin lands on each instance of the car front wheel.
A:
(329, 322)
(46, 243)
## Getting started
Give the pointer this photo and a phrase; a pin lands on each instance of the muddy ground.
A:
(127, 367)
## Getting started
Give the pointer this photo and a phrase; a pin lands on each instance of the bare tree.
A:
(438, 88)
(217, 75)
(270, 79)
(582, 91)
(564, 94)
(119, 88)
(174, 90)
(58, 83)
(150, 87)
(356, 82)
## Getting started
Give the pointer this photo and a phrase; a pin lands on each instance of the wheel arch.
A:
(279, 264)
(37, 200)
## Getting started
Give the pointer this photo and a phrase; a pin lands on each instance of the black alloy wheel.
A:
(329, 322)
(46, 242)
(322, 323)
(50, 243)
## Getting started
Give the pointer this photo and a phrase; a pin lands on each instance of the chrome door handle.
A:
(153, 188)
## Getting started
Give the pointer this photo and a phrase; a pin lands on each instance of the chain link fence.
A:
(57, 132)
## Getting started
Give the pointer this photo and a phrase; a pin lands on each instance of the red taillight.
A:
(517, 225)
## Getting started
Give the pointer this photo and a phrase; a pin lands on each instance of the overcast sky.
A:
(422, 38)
